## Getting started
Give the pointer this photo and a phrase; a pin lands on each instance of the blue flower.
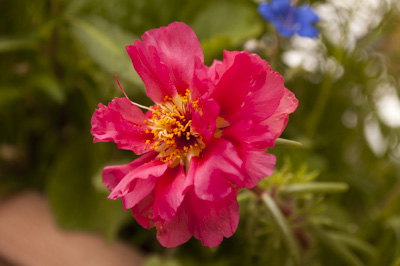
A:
(289, 19)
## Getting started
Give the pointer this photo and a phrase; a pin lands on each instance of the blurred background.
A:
(336, 201)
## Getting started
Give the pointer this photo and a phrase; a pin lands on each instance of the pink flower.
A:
(203, 140)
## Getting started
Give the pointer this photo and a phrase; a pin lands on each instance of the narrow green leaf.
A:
(105, 43)
(13, 44)
(355, 243)
(286, 143)
(396, 262)
(337, 247)
(283, 226)
(315, 187)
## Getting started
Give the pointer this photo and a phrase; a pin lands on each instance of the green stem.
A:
(336, 246)
(325, 92)
(316, 187)
(283, 226)
(319, 106)
(286, 143)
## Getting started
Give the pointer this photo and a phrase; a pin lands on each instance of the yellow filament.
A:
(168, 123)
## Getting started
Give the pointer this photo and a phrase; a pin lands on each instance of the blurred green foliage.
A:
(336, 201)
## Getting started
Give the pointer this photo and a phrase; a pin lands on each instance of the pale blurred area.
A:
(346, 24)
(29, 236)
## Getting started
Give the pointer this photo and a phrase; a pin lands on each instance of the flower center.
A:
(170, 124)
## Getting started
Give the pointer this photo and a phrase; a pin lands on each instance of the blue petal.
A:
(286, 32)
(308, 31)
(280, 7)
(289, 19)
(306, 14)
(265, 11)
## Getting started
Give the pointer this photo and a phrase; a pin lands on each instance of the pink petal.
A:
(218, 68)
(142, 211)
(138, 190)
(169, 233)
(251, 141)
(112, 175)
(210, 221)
(166, 59)
(217, 171)
(246, 87)
(176, 232)
(169, 192)
(213, 74)
(249, 132)
(201, 85)
(204, 121)
(277, 122)
(139, 182)
(257, 165)
(121, 122)
(150, 211)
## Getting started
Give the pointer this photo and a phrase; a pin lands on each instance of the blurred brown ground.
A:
(29, 236)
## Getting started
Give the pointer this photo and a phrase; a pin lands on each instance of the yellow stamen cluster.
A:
(171, 126)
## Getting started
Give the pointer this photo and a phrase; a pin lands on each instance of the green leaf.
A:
(337, 247)
(13, 44)
(355, 243)
(9, 94)
(105, 43)
(50, 86)
(283, 226)
(286, 143)
(156, 260)
(75, 201)
(396, 262)
(236, 21)
(315, 187)
(74, 6)
(9, 185)
(212, 48)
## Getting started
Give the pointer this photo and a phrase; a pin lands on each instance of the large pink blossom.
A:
(203, 140)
